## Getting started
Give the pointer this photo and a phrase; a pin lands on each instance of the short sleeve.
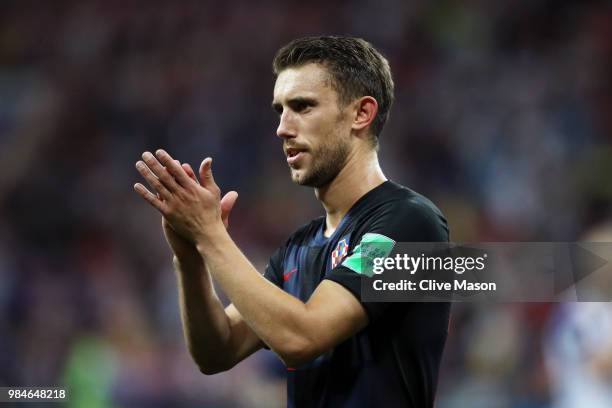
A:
(409, 220)
(274, 267)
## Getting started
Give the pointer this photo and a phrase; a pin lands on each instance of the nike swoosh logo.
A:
(287, 275)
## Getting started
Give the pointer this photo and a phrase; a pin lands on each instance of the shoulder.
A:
(409, 216)
(410, 203)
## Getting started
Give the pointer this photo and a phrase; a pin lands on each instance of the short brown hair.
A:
(356, 68)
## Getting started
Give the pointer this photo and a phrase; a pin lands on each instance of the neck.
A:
(361, 174)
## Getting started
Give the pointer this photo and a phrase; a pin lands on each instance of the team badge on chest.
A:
(339, 253)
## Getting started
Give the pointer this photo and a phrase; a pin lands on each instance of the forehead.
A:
(310, 80)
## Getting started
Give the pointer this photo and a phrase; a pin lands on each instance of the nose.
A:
(286, 127)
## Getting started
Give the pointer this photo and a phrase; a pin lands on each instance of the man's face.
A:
(314, 128)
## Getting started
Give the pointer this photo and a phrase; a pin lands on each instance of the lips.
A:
(294, 154)
(293, 151)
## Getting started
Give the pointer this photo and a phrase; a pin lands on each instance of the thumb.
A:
(206, 177)
(227, 203)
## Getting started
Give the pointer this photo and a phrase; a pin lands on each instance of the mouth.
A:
(294, 154)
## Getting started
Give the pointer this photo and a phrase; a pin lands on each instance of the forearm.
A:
(279, 319)
(205, 324)
(216, 336)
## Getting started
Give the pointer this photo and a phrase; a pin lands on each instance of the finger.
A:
(153, 181)
(160, 172)
(206, 176)
(150, 197)
(227, 203)
(173, 167)
(190, 172)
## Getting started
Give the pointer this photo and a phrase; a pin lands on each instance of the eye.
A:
(278, 108)
(301, 105)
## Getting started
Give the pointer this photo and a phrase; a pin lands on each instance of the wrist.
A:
(188, 264)
(213, 236)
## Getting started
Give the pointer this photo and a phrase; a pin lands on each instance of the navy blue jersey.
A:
(394, 360)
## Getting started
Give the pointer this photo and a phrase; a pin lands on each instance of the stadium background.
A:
(503, 116)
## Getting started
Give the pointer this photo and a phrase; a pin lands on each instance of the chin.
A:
(297, 173)
(314, 179)
(298, 177)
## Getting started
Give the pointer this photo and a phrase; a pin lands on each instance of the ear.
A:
(366, 108)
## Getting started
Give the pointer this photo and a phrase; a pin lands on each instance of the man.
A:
(333, 96)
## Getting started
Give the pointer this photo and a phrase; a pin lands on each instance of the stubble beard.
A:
(327, 161)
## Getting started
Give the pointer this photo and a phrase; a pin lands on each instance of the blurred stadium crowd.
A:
(503, 116)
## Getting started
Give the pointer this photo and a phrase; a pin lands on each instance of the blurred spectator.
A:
(502, 116)
(579, 343)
